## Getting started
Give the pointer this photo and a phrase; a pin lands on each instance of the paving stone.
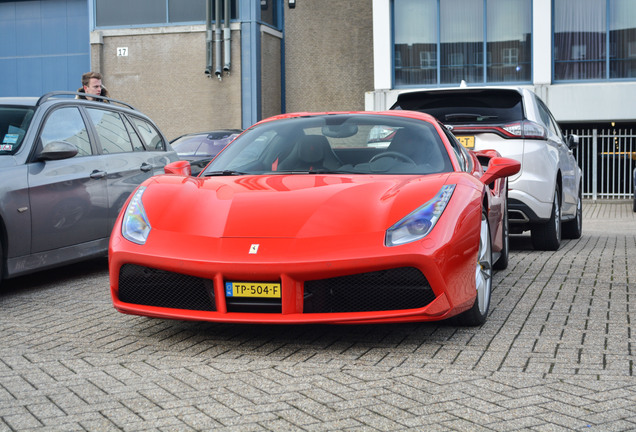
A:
(556, 354)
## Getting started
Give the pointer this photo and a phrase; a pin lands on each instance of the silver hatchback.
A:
(67, 166)
(545, 197)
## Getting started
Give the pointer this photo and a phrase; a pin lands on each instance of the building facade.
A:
(193, 69)
(261, 58)
(579, 56)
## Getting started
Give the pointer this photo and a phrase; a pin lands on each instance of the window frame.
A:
(481, 73)
(573, 68)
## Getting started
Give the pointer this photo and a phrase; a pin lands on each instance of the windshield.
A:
(335, 143)
(208, 144)
(14, 122)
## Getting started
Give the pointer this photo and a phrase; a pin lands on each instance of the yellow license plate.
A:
(252, 289)
(467, 141)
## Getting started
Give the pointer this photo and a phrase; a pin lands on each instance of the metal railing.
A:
(607, 159)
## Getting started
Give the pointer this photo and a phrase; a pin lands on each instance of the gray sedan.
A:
(67, 166)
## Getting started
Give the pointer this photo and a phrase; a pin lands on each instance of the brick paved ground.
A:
(556, 354)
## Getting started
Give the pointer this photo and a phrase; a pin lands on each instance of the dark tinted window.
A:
(140, 12)
(453, 107)
(126, 12)
(203, 144)
(14, 123)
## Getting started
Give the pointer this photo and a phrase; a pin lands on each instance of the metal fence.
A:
(607, 159)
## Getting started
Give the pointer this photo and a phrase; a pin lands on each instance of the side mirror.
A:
(57, 150)
(500, 167)
(180, 167)
(572, 141)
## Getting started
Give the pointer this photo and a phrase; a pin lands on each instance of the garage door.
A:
(44, 46)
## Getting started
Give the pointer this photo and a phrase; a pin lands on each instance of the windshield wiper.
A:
(222, 173)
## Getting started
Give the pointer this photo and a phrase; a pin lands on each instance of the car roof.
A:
(61, 97)
(25, 101)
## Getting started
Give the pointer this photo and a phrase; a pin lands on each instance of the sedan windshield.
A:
(336, 143)
(14, 122)
(206, 144)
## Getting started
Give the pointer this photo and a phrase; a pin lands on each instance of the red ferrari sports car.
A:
(357, 217)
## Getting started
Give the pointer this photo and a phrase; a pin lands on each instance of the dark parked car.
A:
(199, 148)
(67, 166)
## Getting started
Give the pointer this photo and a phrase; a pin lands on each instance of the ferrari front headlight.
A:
(420, 222)
(135, 226)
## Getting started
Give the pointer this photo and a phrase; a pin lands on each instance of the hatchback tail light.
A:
(517, 130)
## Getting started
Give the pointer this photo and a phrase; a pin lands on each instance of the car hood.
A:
(285, 206)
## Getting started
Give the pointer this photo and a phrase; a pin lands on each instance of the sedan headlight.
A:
(421, 221)
(135, 226)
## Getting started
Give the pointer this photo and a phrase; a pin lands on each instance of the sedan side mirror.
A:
(57, 150)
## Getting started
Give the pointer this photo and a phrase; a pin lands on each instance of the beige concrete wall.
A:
(271, 101)
(328, 66)
(328, 54)
(163, 76)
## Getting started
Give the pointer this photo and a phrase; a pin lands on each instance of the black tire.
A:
(574, 229)
(502, 262)
(547, 236)
(478, 313)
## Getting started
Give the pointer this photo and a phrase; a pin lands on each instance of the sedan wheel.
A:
(483, 279)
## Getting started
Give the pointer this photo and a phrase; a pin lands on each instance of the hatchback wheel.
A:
(574, 228)
(547, 236)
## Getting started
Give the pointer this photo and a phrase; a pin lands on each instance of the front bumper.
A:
(431, 279)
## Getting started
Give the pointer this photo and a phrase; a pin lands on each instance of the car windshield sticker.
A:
(10, 139)
(5, 147)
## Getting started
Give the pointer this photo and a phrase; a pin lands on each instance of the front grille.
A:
(394, 289)
(152, 287)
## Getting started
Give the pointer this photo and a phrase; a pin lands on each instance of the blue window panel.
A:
(44, 46)
(7, 30)
(59, 78)
(76, 63)
(78, 28)
(9, 81)
(29, 28)
(30, 76)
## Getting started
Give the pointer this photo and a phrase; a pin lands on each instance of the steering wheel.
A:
(394, 155)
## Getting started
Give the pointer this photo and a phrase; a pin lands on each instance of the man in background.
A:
(92, 85)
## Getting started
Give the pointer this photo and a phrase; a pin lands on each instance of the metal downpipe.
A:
(217, 40)
(227, 36)
(208, 38)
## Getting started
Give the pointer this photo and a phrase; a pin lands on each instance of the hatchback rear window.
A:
(476, 106)
(14, 122)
